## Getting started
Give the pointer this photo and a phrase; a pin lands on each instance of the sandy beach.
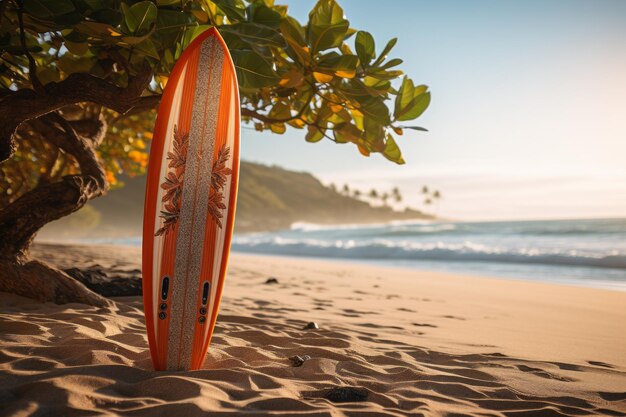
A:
(408, 342)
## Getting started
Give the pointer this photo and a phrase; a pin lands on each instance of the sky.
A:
(528, 111)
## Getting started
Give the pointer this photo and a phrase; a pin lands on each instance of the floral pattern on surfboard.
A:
(173, 183)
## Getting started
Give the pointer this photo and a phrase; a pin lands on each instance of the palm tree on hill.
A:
(437, 198)
(396, 194)
(384, 197)
(431, 196)
(373, 195)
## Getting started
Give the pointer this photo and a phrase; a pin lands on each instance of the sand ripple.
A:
(76, 360)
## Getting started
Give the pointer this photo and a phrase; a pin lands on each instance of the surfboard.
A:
(190, 203)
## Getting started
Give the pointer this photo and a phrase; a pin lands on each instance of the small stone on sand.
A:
(340, 394)
(311, 325)
(298, 360)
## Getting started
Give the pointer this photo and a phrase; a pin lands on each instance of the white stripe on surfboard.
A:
(219, 252)
(159, 241)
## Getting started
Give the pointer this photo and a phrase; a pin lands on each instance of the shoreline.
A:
(425, 269)
(417, 343)
(454, 267)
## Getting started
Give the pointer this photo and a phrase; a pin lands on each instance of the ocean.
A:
(578, 252)
(589, 253)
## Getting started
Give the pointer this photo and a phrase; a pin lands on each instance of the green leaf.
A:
(134, 40)
(278, 128)
(147, 47)
(391, 63)
(169, 24)
(392, 151)
(292, 78)
(85, 29)
(385, 75)
(411, 101)
(349, 33)
(234, 41)
(74, 36)
(348, 132)
(77, 48)
(280, 111)
(421, 129)
(374, 108)
(313, 134)
(354, 88)
(374, 134)
(261, 14)
(341, 65)
(91, 5)
(197, 31)
(68, 19)
(255, 34)
(172, 21)
(252, 70)
(168, 59)
(365, 47)
(140, 16)
(70, 63)
(383, 54)
(294, 34)
(109, 16)
(47, 75)
(293, 31)
(162, 3)
(235, 10)
(327, 26)
(48, 9)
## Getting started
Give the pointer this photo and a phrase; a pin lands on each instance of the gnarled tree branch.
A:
(21, 220)
(26, 104)
(67, 139)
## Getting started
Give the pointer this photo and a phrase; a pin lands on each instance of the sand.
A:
(418, 343)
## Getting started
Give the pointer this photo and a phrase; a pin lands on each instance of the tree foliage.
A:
(320, 76)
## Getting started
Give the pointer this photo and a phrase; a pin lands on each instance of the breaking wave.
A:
(384, 249)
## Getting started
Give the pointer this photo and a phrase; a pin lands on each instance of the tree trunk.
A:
(21, 220)
(34, 279)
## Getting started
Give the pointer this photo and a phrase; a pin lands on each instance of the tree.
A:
(437, 198)
(431, 196)
(397, 195)
(356, 193)
(79, 82)
(373, 194)
(384, 197)
(346, 190)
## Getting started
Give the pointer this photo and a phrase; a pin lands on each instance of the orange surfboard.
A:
(190, 203)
